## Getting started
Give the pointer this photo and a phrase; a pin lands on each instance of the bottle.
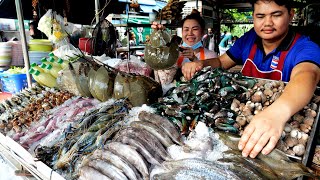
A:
(63, 63)
(32, 71)
(43, 67)
(53, 56)
(53, 70)
(54, 63)
(36, 67)
(45, 78)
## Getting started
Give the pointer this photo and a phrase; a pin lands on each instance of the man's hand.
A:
(188, 52)
(190, 68)
(262, 133)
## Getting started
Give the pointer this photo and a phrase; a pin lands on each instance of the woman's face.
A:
(271, 21)
(191, 32)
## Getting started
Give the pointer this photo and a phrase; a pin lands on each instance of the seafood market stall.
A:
(56, 133)
(94, 121)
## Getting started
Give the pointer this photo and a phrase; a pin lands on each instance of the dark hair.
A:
(195, 15)
(286, 3)
(37, 33)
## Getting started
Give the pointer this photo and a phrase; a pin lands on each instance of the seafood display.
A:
(192, 131)
(82, 136)
(297, 130)
(228, 101)
(29, 106)
(206, 97)
(88, 78)
(134, 150)
(209, 154)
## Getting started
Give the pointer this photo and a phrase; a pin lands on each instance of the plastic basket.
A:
(13, 83)
(85, 45)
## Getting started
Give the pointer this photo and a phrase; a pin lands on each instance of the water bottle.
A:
(63, 63)
(44, 78)
(53, 70)
(36, 67)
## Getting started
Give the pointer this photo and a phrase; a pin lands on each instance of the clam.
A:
(241, 120)
(310, 113)
(308, 120)
(290, 141)
(299, 149)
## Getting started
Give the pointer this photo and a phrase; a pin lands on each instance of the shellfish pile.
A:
(297, 130)
(207, 98)
(228, 101)
(30, 105)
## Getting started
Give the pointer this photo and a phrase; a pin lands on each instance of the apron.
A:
(202, 57)
(250, 68)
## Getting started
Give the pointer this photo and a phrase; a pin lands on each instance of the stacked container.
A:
(5, 56)
(39, 48)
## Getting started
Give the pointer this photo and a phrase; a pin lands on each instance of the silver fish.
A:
(117, 161)
(195, 169)
(147, 139)
(89, 173)
(107, 169)
(153, 129)
(129, 153)
(162, 122)
(140, 148)
(283, 167)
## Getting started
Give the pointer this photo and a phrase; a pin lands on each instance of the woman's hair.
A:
(37, 33)
(286, 3)
(195, 15)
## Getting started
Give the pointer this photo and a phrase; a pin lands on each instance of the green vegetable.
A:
(16, 70)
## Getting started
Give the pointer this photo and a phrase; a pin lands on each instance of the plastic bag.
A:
(134, 66)
(67, 51)
(59, 30)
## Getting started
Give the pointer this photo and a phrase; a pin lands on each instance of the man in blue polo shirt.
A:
(273, 51)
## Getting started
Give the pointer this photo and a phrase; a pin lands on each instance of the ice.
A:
(6, 172)
(179, 152)
(134, 112)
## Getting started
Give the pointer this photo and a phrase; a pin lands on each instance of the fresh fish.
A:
(148, 140)
(248, 168)
(89, 173)
(196, 169)
(107, 169)
(140, 148)
(162, 122)
(129, 153)
(283, 166)
(153, 129)
(117, 161)
(276, 160)
(192, 174)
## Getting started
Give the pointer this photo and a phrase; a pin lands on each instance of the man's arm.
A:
(265, 129)
(190, 68)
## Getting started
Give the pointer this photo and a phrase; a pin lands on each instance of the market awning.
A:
(142, 2)
(148, 8)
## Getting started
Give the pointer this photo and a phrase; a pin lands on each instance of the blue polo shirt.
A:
(304, 50)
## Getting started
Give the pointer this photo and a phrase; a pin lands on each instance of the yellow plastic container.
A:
(36, 67)
(32, 71)
(54, 70)
(40, 45)
(45, 79)
(63, 63)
